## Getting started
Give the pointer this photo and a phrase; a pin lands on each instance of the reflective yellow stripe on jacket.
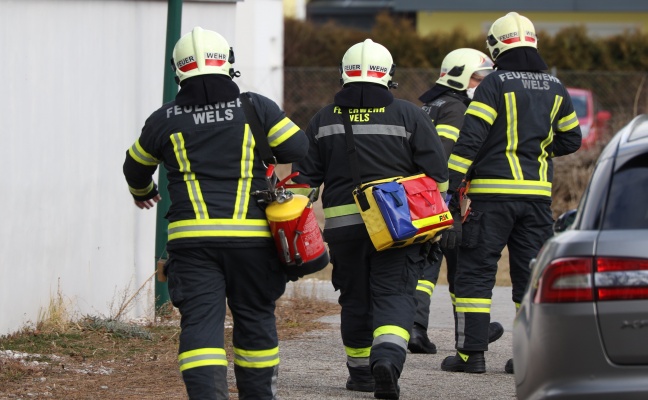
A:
(219, 228)
(510, 186)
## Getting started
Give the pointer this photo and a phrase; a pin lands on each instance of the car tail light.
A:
(621, 279)
(566, 280)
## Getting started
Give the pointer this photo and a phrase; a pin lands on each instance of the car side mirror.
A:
(564, 221)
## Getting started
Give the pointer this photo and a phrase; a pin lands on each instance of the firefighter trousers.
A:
(377, 298)
(428, 279)
(202, 282)
(523, 226)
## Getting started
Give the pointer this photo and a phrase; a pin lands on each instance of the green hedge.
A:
(310, 45)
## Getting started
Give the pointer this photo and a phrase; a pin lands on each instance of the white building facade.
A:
(81, 77)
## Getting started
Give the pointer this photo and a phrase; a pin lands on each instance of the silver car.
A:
(582, 329)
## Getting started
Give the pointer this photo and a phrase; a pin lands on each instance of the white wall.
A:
(80, 78)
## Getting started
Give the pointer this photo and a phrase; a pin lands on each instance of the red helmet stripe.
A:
(530, 39)
(213, 62)
(355, 72)
(375, 74)
(511, 40)
(189, 67)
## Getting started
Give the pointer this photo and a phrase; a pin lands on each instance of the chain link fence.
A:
(623, 94)
(308, 89)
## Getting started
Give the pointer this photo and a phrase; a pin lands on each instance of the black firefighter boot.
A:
(360, 379)
(386, 377)
(495, 331)
(467, 361)
(419, 341)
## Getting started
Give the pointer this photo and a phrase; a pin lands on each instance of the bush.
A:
(310, 45)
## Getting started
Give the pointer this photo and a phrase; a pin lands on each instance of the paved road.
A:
(313, 367)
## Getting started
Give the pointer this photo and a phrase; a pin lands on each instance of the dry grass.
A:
(94, 358)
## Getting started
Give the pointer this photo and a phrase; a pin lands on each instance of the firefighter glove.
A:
(451, 237)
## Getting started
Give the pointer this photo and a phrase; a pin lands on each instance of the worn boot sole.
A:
(386, 386)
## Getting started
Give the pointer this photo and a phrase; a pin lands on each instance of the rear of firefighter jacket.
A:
(447, 114)
(209, 154)
(396, 140)
(517, 122)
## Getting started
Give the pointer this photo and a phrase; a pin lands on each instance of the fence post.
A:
(174, 22)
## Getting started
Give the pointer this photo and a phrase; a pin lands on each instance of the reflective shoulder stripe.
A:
(483, 111)
(448, 131)
(256, 358)
(510, 186)
(282, 131)
(219, 228)
(459, 164)
(141, 156)
(202, 357)
(568, 122)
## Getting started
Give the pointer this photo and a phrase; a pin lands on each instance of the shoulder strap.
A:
(257, 129)
(352, 154)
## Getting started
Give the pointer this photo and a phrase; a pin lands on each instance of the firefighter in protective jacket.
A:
(392, 138)
(462, 70)
(220, 247)
(520, 118)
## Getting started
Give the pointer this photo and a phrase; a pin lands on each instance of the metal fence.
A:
(307, 89)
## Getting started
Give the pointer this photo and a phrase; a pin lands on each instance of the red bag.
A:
(427, 207)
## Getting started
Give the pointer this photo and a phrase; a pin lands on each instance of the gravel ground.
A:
(313, 367)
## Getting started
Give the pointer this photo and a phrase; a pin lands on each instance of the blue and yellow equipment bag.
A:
(401, 211)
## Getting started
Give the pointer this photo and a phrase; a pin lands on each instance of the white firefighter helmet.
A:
(367, 62)
(460, 64)
(510, 31)
(202, 52)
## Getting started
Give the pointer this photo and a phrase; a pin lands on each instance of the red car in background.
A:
(593, 121)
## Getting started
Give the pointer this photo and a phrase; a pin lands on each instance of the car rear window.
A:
(627, 206)
(580, 105)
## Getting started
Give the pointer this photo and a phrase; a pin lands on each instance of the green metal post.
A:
(174, 22)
